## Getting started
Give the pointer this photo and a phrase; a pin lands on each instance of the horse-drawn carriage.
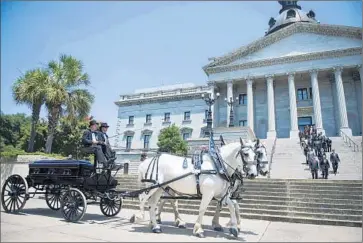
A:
(67, 185)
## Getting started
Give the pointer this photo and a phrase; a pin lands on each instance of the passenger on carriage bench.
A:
(91, 143)
(106, 147)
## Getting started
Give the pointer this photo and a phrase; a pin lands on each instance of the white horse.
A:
(236, 157)
(261, 157)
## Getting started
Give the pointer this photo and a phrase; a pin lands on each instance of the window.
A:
(186, 136)
(146, 141)
(148, 118)
(290, 14)
(131, 120)
(128, 142)
(302, 94)
(242, 99)
(243, 123)
(187, 116)
(167, 117)
(311, 93)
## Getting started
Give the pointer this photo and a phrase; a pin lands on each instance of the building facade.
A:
(300, 73)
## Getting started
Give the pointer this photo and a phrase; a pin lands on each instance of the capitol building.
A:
(301, 72)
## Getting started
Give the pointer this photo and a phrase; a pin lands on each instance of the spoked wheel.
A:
(14, 193)
(73, 205)
(53, 197)
(111, 206)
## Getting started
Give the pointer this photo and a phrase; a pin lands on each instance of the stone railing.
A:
(349, 141)
(161, 93)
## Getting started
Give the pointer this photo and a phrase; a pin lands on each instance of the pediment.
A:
(296, 39)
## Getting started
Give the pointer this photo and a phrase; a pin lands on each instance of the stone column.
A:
(271, 133)
(212, 108)
(250, 120)
(229, 94)
(344, 125)
(316, 101)
(359, 67)
(294, 131)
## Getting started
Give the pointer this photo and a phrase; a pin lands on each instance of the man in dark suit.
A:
(334, 159)
(92, 144)
(324, 166)
(314, 167)
(106, 146)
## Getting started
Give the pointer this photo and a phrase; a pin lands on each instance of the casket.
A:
(58, 171)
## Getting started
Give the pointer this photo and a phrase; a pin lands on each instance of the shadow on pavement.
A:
(168, 227)
(87, 218)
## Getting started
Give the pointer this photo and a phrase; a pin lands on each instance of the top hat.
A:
(93, 122)
(104, 124)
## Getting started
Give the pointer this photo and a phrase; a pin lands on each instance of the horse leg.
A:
(154, 198)
(206, 199)
(215, 221)
(143, 198)
(160, 208)
(233, 222)
(238, 216)
(178, 221)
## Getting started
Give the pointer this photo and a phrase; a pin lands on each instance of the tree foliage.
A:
(170, 141)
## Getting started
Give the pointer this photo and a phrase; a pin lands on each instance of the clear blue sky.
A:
(131, 45)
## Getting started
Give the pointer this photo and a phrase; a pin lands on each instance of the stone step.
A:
(292, 219)
(321, 214)
(244, 207)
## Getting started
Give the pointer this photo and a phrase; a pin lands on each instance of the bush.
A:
(11, 152)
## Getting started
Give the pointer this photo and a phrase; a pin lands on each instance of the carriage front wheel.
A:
(73, 205)
(110, 206)
(14, 193)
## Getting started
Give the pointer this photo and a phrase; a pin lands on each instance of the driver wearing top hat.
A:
(106, 147)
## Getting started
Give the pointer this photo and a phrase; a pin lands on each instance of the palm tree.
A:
(29, 89)
(64, 95)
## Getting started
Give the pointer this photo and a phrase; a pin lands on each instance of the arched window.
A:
(290, 14)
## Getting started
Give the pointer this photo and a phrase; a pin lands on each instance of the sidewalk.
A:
(38, 223)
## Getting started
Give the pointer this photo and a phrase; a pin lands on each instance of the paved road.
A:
(38, 223)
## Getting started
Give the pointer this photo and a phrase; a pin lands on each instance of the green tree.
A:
(29, 89)
(170, 141)
(14, 128)
(65, 96)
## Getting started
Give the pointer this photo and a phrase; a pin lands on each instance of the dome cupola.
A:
(290, 13)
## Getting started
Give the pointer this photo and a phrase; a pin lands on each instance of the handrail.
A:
(272, 154)
(347, 140)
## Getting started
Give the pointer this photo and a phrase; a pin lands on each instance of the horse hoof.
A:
(156, 230)
(132, 219)
(233, 231)
(200, 235)
(218, 228)
(181, 226)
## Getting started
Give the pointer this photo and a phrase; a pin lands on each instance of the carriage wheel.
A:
(53, 197)
(14, 193)
(73, 205)
(111, 207)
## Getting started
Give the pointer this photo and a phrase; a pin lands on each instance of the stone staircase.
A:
(287, 160)
(321, 202)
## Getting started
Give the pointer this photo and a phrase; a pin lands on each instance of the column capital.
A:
(338, 70)
(290, 75)
(269, 76)
(314, 72)
(249, 81)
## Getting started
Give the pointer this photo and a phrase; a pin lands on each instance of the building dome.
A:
(290, 13)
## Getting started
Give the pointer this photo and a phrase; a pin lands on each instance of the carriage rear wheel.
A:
(14, 193)
(53, 197)
(73, 205)
(111, 206)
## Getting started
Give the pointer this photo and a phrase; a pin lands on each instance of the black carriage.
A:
(67, 185)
